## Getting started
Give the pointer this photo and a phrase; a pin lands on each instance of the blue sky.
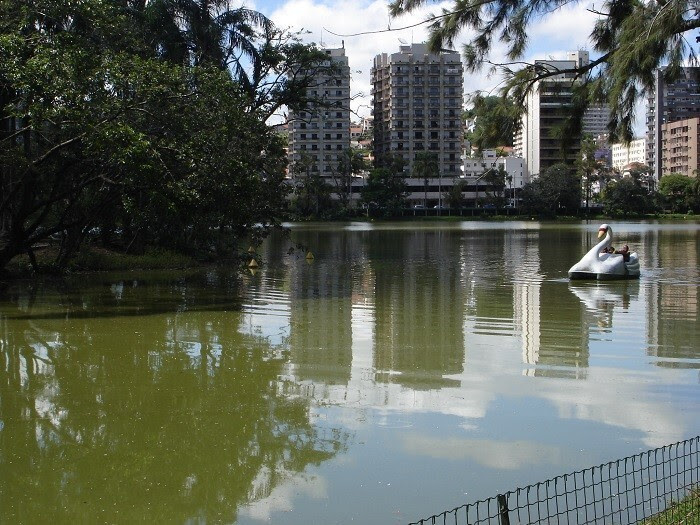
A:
(563, 30)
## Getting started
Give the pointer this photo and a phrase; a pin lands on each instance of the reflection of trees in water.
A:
(159, 418)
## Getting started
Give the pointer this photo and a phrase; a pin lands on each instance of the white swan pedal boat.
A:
(597, 264)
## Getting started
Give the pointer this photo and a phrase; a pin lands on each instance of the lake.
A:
(409, 368)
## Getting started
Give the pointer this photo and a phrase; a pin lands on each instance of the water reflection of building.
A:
(526, 293)
(419, 311)
(320, 333)
(673, 328)
(564, 334)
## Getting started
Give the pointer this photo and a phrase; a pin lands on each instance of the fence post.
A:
(503, 509)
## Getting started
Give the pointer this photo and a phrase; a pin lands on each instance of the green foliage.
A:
(590, 170)
(679, 193)
(426, 166)
(311, 196)
(557, 191)
(454, 198)
(147, 134)
(687, 510)
(153, 259)
(494, 121)
(632, 40)
(385, 191)
(495, 182)
(627, 198)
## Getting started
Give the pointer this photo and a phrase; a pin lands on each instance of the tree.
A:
(590, 170)
(633, 39)
(556, 191)
(426, 166)
(385, 191)
(312, 194)
(627, 198)
(202, 32)
(495, 182)
(93, 131)
(350, 163)
(494, 121)
(678, 192)
(455, 196)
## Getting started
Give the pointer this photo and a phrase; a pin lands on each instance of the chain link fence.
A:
(623, 492)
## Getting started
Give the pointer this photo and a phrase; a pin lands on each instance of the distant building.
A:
(476, 167)
(548, 104)
(680, 144)
(355, 132)
(669, 102)
(623, 155)
(418, 106)
(595, 119)
(367, 124)
(319, 135)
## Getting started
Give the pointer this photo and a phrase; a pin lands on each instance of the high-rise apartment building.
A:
(595, 120)
(319, 135)
(669, 102)
(680, 147)
(418, 106)
(548, 104)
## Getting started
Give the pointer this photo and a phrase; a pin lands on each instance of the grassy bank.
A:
(92, 258)
(684, 512)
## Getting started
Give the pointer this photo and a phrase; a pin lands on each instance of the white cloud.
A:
(501, 455)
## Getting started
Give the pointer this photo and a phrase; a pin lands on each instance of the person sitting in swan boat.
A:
(624, 251)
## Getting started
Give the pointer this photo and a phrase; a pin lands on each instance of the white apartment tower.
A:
(418, 106)
(319, 135)
(547, 105)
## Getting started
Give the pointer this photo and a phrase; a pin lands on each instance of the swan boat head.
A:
(599, 264)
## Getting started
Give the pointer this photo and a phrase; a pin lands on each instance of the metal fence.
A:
(622, 492)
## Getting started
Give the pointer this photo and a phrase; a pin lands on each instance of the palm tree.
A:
(199, 32)
(426, 165)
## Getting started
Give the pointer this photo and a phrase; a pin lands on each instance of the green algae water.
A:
(408, 369)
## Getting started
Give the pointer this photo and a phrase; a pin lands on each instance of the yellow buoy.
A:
(251, 250)
(253, 263)
(309, 256)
